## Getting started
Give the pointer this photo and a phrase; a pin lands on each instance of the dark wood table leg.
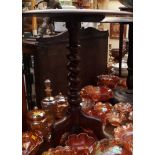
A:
(76, 119)
(120, 48)
(130, 60)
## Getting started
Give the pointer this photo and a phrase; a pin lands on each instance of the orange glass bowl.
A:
(97, 94)
(124, 135)
(123, 107)
(109, 147)
(99, 110)
(115, 118)
(87, 104)
(90, 92)
(82, 143)
(59, 150)
(100, 107)
(110, 81)
(105, 94)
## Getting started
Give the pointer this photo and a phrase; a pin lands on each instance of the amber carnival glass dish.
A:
(82, 143)
(59, 150)
(99, 110)
(87, 104)
(115, 118)
(109, 147)
(124, 135)
(110, 81)
(96, 93)
(103, 108)
(123, 107)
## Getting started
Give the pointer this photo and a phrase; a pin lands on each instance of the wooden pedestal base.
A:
(74, 123)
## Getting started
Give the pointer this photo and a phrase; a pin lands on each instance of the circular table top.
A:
(78, 15)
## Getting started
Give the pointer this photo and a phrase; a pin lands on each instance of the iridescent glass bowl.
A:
(110, 81)
(82, 143)
(109, 147)
(124, 135)
(96, 93)
(59, 150)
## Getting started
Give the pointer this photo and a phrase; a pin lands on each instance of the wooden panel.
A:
(51, 60)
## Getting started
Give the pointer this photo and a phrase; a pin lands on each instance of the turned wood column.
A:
(73, 60)
(76, 120)
(120, 48)
(73, 65)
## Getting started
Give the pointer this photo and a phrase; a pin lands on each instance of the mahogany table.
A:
(75, 119)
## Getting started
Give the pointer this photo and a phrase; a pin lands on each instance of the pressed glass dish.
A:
(109, 147)
(96, 93)
(82, 143)
(110, 81)
(99, 110)
(123, 107)
(124, 135)
(115, 118)
(59, 150)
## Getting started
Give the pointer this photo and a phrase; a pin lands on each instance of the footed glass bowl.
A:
(96, 93)
(109, 147)
(82, 143)
(99, 110)
(124, 135)
(110, 81)
(59, 150)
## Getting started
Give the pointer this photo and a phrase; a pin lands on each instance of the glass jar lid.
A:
(36, 114)
(60, 98)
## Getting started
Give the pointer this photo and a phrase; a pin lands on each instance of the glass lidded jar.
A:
(37, 121)
(48, 101)
(60, 107)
